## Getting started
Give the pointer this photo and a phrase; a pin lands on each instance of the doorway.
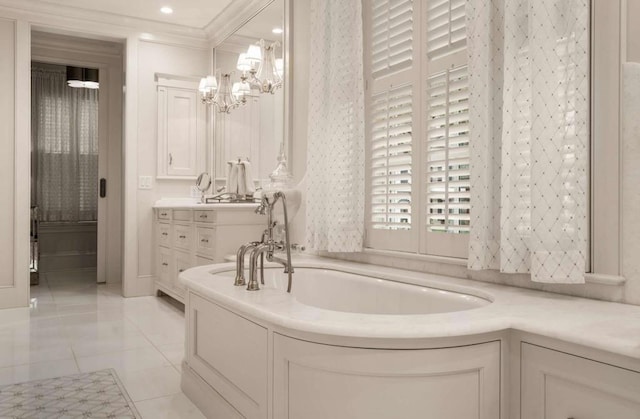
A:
(76, 158)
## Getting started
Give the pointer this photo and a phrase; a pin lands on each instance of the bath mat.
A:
(97, 394)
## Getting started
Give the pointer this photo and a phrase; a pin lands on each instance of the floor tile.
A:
(87, 348)
(28, 354)
(174, 352)
(124, 361)
(75, 325)
(37, 371)
(172, 407)
(151, 383)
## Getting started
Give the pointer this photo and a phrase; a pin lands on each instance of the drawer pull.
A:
(204, 216)
(165, 234)
(165, 264)
(204, 241)
(183, 237)
(180, 270)
(164, 214)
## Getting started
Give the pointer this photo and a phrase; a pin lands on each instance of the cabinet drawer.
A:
(182, 215)
(205, 240)
(559, 385)
(183, 236)
(164, 234)
(164, 214)
(165, 266)
(183, 262)
(202, 216)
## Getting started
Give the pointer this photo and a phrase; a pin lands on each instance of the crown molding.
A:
(236, 14)
(108, 26)
(63, 42)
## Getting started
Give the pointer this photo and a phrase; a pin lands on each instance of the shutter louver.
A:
(448, 184)
(391, 135)
(392, 37)
(446, 30)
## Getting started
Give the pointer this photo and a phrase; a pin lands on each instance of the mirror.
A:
(255, 130)
(203, 183)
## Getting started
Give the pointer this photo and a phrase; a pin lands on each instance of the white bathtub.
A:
(343, 291)
(350, 341)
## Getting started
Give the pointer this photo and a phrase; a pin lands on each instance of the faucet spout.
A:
(240, 280)
(257, 251)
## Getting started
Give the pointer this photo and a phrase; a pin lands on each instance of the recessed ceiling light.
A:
(277, 31)
(166, 10)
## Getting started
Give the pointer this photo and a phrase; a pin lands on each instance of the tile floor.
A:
(76, 325)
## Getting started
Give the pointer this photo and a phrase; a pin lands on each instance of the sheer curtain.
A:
(64, 136)
(335, 158)
(529, 109)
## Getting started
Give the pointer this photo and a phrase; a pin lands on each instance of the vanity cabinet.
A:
(182, 128)
(187, 237)
(557, 385)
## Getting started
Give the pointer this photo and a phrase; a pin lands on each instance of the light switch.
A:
(144, 182)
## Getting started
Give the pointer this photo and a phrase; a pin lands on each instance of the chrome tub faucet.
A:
(267, 247)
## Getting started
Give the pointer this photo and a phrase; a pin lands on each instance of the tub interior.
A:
(353, 293)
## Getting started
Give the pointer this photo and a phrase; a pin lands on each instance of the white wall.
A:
(145, 59)
(630, 159)
(15, 76)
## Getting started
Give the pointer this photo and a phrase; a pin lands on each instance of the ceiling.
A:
(191, 13)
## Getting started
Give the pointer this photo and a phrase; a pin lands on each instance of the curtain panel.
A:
(335, 158)
(64, 136)
(529, 123)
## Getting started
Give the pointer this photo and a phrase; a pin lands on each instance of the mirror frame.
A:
(287, 49)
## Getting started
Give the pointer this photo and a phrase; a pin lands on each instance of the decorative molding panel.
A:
(236, 14)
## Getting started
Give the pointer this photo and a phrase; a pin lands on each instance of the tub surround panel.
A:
(314, 381)
(350, 364)
(610, 327)
(559, 385)
(230, 353)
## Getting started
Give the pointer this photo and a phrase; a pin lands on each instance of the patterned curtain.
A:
(335, 159)
(529, 109)
(64, 136)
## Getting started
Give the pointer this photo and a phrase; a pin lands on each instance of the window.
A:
(417, 113)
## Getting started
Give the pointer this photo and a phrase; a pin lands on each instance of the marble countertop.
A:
(195, 204)
(607, 326)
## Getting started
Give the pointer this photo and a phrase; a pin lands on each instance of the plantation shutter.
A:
(447, 130)
(392, 37)
(448, 152)
(391, 135)
(446, 30)
(391, 115)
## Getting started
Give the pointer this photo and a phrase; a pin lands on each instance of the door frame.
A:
(108, 58)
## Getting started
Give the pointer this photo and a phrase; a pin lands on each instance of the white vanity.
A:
(189, 234)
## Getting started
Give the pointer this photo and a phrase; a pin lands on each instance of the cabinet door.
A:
(313, 381)
(165, 266)
(164, 234)
(205, 241)
(184, 261)
(181, 130)
(556, 385)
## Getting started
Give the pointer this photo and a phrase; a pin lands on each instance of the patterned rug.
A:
(97, 394)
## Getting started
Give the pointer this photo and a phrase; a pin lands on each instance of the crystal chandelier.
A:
(260, 67)
(221, 96)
